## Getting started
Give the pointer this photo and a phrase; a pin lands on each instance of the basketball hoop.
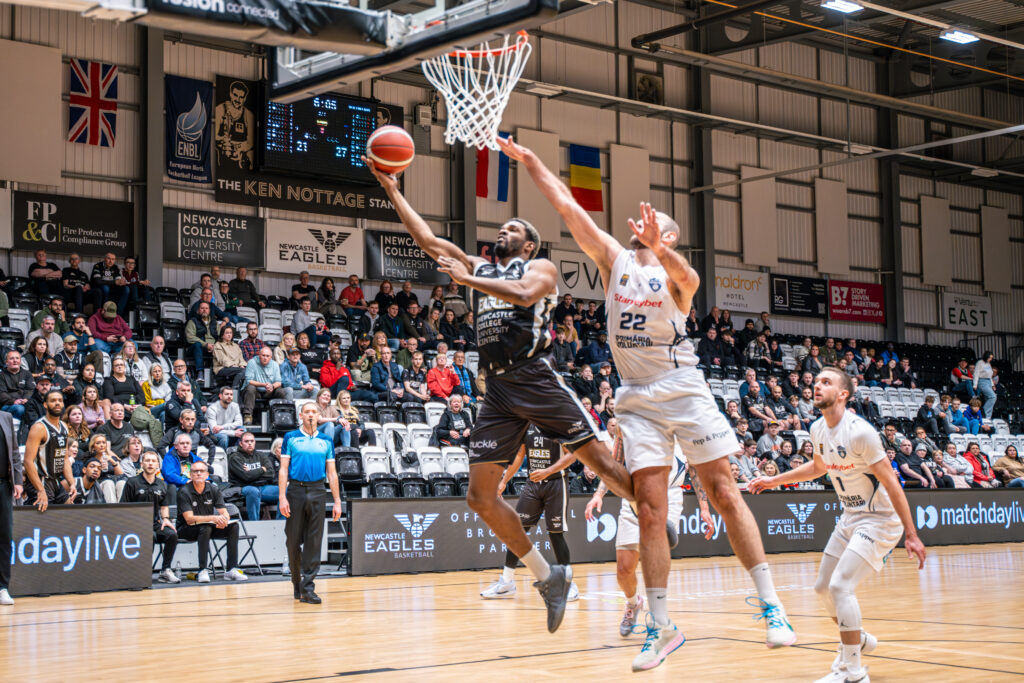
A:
(476, 85)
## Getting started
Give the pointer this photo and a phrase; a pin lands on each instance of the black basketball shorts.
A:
(55, 492)
(548, 496)
(531, 393)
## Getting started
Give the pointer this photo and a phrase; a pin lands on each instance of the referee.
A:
(308, 458)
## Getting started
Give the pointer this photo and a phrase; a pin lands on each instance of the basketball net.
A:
(476, 86)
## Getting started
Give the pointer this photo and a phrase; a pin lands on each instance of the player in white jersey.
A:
(875, 515)
(663, 400)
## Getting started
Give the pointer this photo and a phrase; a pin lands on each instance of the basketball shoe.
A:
(844, 676)
(574, 593)
(868, 643)
(629, 617)
(779, 631)
(554, 592)
(661, 642)
(499, 589)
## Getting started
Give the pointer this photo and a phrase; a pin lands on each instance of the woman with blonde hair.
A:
(329, 420)
(357, 435)
(111, 481)
(281, 351)
(157, 391)
(133, 362)
(380, 341)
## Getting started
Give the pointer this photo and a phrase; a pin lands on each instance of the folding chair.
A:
(219, 545)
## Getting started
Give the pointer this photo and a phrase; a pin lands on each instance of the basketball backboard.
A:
(424, 30)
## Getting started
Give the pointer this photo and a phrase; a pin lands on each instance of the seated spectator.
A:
(692, 324)
(263, 380)
(905, 377)
(303, 323)
(770, 442)
(281, 350)
(327, 297)
(451, 330)
(183, 398)
(35, 356)
(252, 343)
(133, 361)
(467, 381)
(962, 380)
(131, 456)
(135, 288)
(597, 352)
(711, 351)
(593, 321)
(186, 426)
(757, 353)
(455, 424)
(35, 407)
(566, 309)
(334, 376)
(75, 282)
(588, 406)
(70, 360)
(813, 363)
(749, 378)
(975, 418)
(45, 276)
(386, 377)
(78, 431)
(357, 434)
(106, 283)
(927, 417)
(303, 289)
(606, 373)
(416, 321)
(780, 407)
(746, 461)
(93, 410)
(369, 322)
(404, 355)
(585, 384)
(757, 412)
(742, 429)
(147, 487)
(784, 455)
(196, 295)
(873, 373)
(454, 301)
(111, 475)
(586, 483)
(890, 453)
(851, 367)
(385, 296)
(202, 516)
(984, 476)
(801, 351)
(225, 419)
(117, 430)
(228, 360)
(442, 380)
(109, 330)
(122, 388)
(54, 341)
(295, 376)
(406, 296)
(243, 289)
(255, 474)
(890, 353)
(944, 417)
(394, 327)
(957, 464)
(86, 342)
(604, 394)
(414, 379)
(912, 464)
(608, 414)
(16, 385)
(352, 297)
(87, 490)
(746, 335)
(867, 408)
(329, 420)
(942, 474)
(921, 437)
(1010, 468)
(563, 353)
(54, 309)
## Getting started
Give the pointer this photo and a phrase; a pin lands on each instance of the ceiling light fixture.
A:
(957, 36)
(844, 6)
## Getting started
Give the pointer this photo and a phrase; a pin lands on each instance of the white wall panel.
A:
(910, 130)
(594, 24)
(76, 36)
(865, 244)
(779, 156)
(841, 329)
(522, 111)
(961, 196)
(733, 151)
(1008, 312)
(965, 221)
(579, 124)
(966, 258)
(863, 205)
(788, 194)
(1004, 200)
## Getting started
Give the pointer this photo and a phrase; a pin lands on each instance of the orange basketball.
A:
(390, 149)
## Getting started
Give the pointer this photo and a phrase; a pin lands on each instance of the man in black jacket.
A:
(414, 322)
(453, 428)
(711, 351)
(187, 425)
(254, 473)
(16, 385)
(183, 399)
(563, 352)
(244, 290)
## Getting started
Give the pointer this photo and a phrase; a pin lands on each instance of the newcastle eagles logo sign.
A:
(801, 511)
(329, 239)
(418, 525)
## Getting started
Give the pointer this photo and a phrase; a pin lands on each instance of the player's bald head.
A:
(669, 228)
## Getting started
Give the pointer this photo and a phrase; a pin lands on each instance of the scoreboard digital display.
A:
(323, 136)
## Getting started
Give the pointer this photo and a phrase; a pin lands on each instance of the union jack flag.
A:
(92, 107)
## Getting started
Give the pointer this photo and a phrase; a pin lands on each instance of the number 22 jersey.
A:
(848, 451)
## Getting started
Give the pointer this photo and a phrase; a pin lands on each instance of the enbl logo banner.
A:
(187, 106)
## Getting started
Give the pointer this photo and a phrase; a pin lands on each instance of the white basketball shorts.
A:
(628, 535)
(869, 534)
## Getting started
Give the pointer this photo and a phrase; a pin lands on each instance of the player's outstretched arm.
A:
(601, 247)
(683, 279)
(536, 283)
(887, 477)
(35, 437)
(806, 472)
(417, 227)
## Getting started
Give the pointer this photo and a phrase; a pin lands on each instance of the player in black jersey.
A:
(546, 492)
(46, 464)
(513, 300)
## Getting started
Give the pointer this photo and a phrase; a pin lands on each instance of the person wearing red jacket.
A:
(335, 376)
(441, 379)
(984, 477)
(109, 329)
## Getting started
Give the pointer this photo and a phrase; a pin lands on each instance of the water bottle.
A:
(177, 569)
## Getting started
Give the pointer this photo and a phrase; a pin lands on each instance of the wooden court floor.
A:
(961, 619)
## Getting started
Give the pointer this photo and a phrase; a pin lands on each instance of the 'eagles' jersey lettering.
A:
(507, 334)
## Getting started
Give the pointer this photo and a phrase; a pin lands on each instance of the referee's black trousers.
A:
(6, 530)
(304, 531)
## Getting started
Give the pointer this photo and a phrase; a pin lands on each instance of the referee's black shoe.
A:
(554, 591)
(310, 597)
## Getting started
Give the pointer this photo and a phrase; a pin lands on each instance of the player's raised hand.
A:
(511, 149)
(455, 269)
(915, 548)
(647, 231)
(386, 180)
(594, 505)
(760, 484)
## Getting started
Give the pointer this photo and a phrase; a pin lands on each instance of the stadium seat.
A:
(961, 441)
(385, 412)
(431, 461)
(413, 485)
(516, 484)
(247, 312)
(434, 411)
(413, 413)
(717, 388)
(396, 437)
(375, 460)
(11, 337)
(286, 320)
(378, 431)
(349, 464)
(462, 479)
(731, 389)
(442, 485)
(1000, 426)
(270, 316)
(384, 485)
(282, 416)
(148, 315)
(419, 435)
(801, 435)
(172, 310)
(473, 361)
(456, 460)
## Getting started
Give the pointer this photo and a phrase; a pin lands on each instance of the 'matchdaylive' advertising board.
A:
(440, 534)
(82, 548)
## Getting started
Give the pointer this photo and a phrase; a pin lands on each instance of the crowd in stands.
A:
(132, 393)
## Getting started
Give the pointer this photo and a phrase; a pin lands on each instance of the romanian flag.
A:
(585, 176)
(492, 173)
